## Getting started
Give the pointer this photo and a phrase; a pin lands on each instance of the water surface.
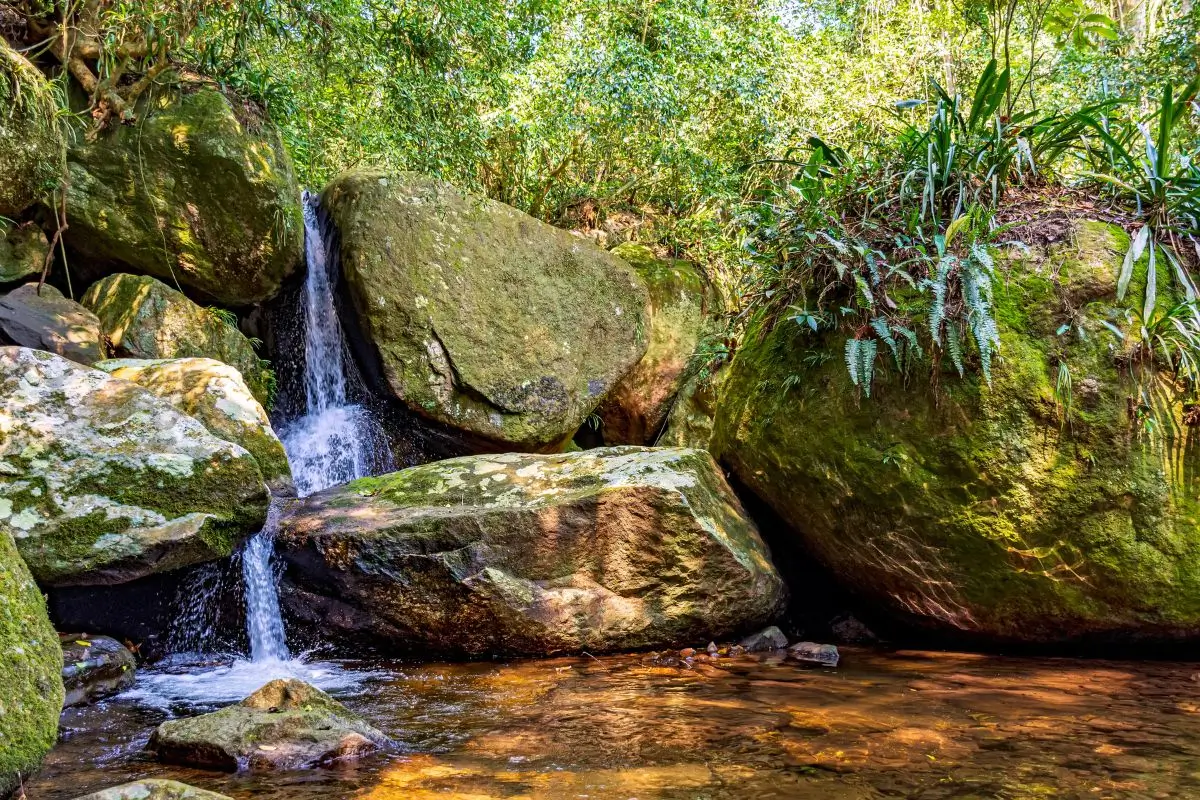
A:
(907, 724)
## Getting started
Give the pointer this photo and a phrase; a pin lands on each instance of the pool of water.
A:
(883, 725)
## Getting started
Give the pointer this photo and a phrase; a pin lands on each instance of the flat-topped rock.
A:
(154, 789)
(94, 667)
(45, 320)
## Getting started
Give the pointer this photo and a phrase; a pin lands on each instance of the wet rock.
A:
(145, 318)
(596, 551)
(31, 689)
(215, 394)
(31, 145)
(480, 317)
(94, 667)
(813, 653)
(154, 789)
(214, 206)
(45, 320)
(286, 724)
(635, 410)
(769, 638)
(23, 251)
(102, 482)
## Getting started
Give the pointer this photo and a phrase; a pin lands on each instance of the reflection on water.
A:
(884, 725)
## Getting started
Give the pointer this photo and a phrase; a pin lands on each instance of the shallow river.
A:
(907, 724)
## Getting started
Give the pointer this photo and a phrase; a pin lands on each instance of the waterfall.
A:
(332, 443)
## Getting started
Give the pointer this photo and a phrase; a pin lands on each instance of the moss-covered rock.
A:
(993, 510)
(31, 689)
(45, 320)
(31, 145)
(191, 194)
(531, 554)
(145, 318)
(693, 414)
(215, 394)
(102, 482)
(154, 789)
(94, 667)
(635, 410)
(482, 317)
(286, 724)
(23, 250)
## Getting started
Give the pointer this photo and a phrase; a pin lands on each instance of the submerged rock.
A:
(145, 318)
(286, 724)
(193, 194)
(479, 316)
(154, 789)
(102, 482)
(23, 251)
(31, 690)
(31, 145)
(215, 394)
(94, 667)
(980, 509)
(523, 554)
(635, 410)
(45, 320)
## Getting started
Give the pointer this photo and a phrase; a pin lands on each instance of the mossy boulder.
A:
(286, 724)
(31, 145)
(31, 689)
(635, 410)
(144, 318)
(94, 667)
(215, 394)
(193, 194)
(1001, 511)
(479, 316)
(102, 482)
(23, 251)
(693, 414)
(45, 320)
(519, 554)
(154, 789)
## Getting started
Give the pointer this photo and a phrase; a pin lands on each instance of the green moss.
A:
(31, 145)
(31, 691)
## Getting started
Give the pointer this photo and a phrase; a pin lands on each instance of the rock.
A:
(31, 144)
(285, 725)
(191, 194)
(215, 394)
(154, 789)
(48, 321)
(812, 653)
(479, 316)
(102, 482)
(849, 630)
(769, 638)
(94, 667)
(145, 318)
(692, 416)
(517, 554)
(31, 690)
(973, 509)
(635, 410)
(23, 251)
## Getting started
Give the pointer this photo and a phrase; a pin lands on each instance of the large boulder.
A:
(23, 251)
(285, 725)
(154, 789)
(530, 555)
(31, 689)
(31, 144)
(215, 394)
(94, 667)
(145, 318)
(102, 482)
(636, 409)
(200, 192)
(479, 316)
(1020, 511)
(693, 414)
(45, 320)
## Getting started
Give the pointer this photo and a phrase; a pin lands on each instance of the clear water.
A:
(923, 725)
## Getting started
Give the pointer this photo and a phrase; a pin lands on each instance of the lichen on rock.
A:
(23, 251)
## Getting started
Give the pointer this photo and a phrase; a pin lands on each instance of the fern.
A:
(954, 348)
(884, 331)
(860, 360)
